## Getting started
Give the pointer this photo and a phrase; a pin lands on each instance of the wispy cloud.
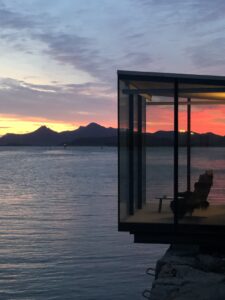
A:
(208, 54)
(61, 102)
(90, 54)
(80, 52)
(99, 38)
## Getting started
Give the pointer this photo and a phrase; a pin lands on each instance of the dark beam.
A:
(162, 91)
(199, 102)
(189, 145)
(139, 149)
(176, 129)
(131, 154)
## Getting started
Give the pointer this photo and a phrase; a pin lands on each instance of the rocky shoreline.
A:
(188, 272)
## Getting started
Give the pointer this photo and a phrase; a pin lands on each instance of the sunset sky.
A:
(59, 57)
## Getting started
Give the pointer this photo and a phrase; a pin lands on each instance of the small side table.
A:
(161, 200)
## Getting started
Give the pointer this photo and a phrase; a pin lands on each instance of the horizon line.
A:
(88, 124)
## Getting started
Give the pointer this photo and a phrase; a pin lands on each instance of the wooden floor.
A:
(213, 215)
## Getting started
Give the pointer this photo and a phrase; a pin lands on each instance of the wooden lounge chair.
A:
(189, 201)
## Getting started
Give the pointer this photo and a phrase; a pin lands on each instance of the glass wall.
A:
(146, 151)
(204, 202)
(159, 157)
(124, 153)
(132, 183)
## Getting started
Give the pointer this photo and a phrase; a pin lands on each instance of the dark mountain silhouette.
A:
(41, 136)
(98, 130)
(166, 138)
(92, 134)
(96, 135)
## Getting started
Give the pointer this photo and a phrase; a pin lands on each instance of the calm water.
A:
(58, 228)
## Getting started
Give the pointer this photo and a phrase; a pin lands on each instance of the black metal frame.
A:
(176, 153)
(140, 151)
(171, 77)
(189, 145)
(131, 154)
(168, 233)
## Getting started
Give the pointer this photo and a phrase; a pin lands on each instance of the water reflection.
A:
(58, 227)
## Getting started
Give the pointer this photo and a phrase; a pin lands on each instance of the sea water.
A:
(58, 227)
(58, 222)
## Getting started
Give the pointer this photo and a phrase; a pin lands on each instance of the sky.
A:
(59, 58)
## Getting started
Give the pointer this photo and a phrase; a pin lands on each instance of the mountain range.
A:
(92, 134)
(96, 135)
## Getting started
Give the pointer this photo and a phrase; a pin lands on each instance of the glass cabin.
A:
(171, 157)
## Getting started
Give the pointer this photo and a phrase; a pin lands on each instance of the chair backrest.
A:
(203, 186)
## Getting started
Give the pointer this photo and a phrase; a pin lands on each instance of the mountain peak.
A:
(43, 128)
(94, 125)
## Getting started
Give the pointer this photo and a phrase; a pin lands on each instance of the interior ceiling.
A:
(193, 91)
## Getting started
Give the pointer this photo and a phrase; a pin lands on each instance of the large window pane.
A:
(205, 203)
(124, 168)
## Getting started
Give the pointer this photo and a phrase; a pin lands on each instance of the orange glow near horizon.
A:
(203, 119)
(15, 124)
(19, 125)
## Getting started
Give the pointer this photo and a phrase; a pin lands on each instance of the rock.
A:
(187, 273)
(211, 263)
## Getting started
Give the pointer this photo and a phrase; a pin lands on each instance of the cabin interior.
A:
(171, 167)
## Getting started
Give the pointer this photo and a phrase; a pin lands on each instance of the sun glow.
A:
(15, 124)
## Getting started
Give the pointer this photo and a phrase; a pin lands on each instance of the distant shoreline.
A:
(102, 146)
(95, 135)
